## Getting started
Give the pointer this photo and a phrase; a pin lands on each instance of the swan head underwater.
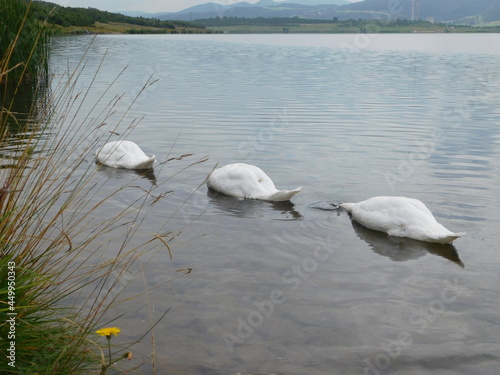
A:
(247, 181)
(124, 154)
(400, 217)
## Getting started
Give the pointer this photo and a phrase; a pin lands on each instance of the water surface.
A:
(289, 288)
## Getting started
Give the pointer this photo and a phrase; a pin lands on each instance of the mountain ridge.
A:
(447, 11)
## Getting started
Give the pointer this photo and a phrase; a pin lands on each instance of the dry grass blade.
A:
(54, 230)
(163, 241)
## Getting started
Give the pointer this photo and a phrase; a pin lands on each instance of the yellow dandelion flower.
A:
(108, 331)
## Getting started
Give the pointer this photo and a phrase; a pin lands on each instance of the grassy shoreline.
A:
(57, 287)
(125, 28)
(347, 28)
(70, 20)
(288, 28)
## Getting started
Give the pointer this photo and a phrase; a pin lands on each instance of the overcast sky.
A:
(151, 6)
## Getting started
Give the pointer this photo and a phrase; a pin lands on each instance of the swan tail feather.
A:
(146, 164)
(283, 195)
(449, 238)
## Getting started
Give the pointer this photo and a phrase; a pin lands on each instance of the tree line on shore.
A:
(87, 17)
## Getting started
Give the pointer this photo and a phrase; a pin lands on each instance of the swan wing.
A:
(247, 181)
(400, 217)
(124, 154)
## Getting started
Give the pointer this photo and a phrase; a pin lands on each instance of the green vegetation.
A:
(54, 243)
(300, 25)
(23, 62)
(23, 42)
(61, 262)
(91, 20)
(64, 20)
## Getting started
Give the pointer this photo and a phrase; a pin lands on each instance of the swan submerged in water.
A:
(242, 180)
(400, 217)
(124, 154)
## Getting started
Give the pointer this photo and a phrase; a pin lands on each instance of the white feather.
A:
(124, 154)
(400, 217)
(247, 181)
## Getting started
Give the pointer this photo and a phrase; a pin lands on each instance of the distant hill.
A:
(469, 12)
(88, 18)
(447, 11)
(320, 2)
(264, 8)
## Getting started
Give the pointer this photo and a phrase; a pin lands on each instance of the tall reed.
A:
(52, 233)
(23, 42)
(24, 52)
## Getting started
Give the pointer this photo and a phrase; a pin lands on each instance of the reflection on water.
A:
(21, 111)
(251, 208)
(409, 115)
(395, 248)
(120, 173)
(402, 249)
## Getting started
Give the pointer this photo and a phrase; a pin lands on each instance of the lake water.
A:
(290, 288)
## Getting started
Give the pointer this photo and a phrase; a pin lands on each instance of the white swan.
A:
(124, 154)
(247, 181)
(400, 217)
